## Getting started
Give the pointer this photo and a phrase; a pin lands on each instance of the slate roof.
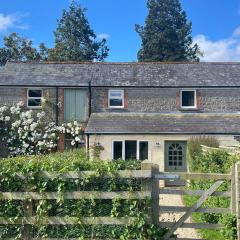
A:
(122, 74)
(191, 123)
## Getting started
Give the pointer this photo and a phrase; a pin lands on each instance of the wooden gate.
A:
(216, 178)
(153, 185)
(197, 207)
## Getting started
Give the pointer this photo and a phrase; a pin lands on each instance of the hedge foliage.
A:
(75, 160)
(217, 161)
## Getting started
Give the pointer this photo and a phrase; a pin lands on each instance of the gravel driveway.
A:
(176, 200)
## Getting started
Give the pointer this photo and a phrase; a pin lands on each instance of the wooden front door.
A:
(175, 158)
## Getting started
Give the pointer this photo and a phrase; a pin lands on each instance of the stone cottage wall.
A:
(10, 95)
(164, 100)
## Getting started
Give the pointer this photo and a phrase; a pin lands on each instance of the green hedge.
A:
(217, 161)
(74, 161)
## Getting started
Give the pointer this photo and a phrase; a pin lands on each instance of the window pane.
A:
(34, 102)
(114, 94)
(130, 150)
(143, 150)
(35, 93)
(117, 150)
(116, 102)
(188, 99)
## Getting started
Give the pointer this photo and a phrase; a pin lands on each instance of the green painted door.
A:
(175, 158)
(75, 103)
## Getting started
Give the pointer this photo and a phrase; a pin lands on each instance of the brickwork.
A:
(3, 150)
(61, 142)
(61, 105)
(24, 96)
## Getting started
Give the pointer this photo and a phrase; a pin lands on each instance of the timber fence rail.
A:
(149, 179)
(29, 197)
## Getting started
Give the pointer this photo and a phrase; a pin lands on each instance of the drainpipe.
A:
(89, 113)
(87, 146)
(89, 99)
(57, 110)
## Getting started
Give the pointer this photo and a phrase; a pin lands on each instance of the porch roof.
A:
(173, 123)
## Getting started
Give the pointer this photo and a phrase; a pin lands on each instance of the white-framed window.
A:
(130, 149)
(34, 97)
(188, 99)
(115, 98)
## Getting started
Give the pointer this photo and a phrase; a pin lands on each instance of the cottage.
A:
(134, 110)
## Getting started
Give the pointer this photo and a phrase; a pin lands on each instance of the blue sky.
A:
(216, 24)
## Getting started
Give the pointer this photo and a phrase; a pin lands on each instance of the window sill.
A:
(117, 108)
(188, 109)
(34, 108)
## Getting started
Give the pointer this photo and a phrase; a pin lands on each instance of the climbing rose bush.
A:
(28, 132)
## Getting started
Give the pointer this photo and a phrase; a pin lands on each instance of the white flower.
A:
(33, 126)
(32, 132)
(43, 100)
(7, 118)
(20, 104)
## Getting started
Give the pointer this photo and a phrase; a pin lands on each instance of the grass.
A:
(208, 234)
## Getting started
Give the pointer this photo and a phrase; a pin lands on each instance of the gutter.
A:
(161, 133)
(120, 86)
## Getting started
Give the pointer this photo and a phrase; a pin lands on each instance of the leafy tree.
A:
(166, 35)
(43, 52)
(75, 40)
(17, 48)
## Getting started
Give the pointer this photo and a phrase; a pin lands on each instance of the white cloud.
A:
(236, 32)
(11, 21)
(223, 50)
(218, 51)
(102, 36)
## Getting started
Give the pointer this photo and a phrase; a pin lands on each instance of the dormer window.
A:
(34, 98)
(188, 99)
(116, 98)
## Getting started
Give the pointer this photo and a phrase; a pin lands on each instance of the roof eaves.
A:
(166, 133)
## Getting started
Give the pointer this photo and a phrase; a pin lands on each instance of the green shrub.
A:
(217, 161)
(75, 160)
(194, 147)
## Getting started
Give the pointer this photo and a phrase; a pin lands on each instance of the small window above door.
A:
(188, 99)
(115, 98)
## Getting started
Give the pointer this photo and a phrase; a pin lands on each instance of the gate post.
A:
(152, 185)
(237, 197)
(233, 190)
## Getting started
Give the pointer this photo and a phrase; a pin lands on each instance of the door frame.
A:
(176, 182)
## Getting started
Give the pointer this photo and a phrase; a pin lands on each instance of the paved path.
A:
(176, 200)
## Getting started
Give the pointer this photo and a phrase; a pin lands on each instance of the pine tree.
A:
(166, 35)
(74, 38)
